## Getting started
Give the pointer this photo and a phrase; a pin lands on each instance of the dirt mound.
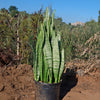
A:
(16, 83)
(83, 67)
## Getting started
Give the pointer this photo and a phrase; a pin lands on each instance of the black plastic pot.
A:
(46, 91)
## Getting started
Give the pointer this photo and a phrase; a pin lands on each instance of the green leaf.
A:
(62, 64)
(45, 73)
(56, 59)
(52, 23)
(36, 67)
(48, 57)
(40, 53)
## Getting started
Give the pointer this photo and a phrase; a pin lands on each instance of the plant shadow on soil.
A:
(69, 80)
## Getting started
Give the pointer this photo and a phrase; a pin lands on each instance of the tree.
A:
(3, 10)
(13, 11)
(7, 37)
(99, 18)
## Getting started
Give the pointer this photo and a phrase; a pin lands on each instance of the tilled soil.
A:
(16, 83)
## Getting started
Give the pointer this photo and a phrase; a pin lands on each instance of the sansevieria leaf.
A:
(48, 57)
(40, 55)
(52, 24)
(56, 59)
(36, 67)
(45, 70)
(62, 64)
(39, 62)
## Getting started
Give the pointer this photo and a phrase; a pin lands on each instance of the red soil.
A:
(16, 83)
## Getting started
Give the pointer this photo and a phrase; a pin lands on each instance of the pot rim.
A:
(39, 82)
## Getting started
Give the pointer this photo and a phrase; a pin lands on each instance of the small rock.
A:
(80, 72)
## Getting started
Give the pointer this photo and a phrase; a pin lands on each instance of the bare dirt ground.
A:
(86, 87)
(16, 83)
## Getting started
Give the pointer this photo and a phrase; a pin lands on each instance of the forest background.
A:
(19, 31)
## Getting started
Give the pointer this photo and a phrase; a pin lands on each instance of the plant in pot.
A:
(49, 61)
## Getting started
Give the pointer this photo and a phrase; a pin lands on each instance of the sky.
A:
(69, 10)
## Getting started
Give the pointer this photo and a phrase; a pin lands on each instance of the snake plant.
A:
(49, 57)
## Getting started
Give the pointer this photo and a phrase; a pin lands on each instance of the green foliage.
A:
(9, 25)
(49, 63)
(74, 38)
(5, 31)
(99, 18)
(11, 8)
(13, 11)
(3, 10)
(36, 20)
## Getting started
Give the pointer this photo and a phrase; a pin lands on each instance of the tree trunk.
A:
(18, 23)
(17, 44)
